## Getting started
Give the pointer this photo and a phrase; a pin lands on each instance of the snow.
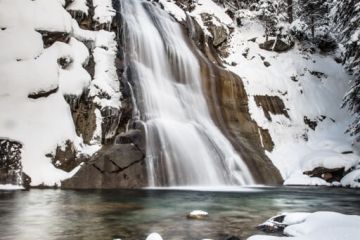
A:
(45, 123)
(174, 10)
(105, 79)
(198, 213)
(79, 5)
(328, 159)
(74, 79)
(210, 7)
(46, 15)
(25, 50)
(154, 236)
(10, 187)
(352, 179)
(103, 12)
(308, 96)
(318, 225)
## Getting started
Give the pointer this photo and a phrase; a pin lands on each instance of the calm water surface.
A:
(59, 214)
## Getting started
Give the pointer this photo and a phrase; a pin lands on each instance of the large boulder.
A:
(119, 165)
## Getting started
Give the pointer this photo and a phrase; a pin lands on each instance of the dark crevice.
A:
(42, 94)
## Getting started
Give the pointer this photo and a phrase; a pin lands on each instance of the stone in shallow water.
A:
(197, 214)
(154, 236)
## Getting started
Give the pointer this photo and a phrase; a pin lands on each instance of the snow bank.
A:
(352, 179)
(209, 7)
(291, 77)
(74, 79)
(79, 5)
(46, 15)
(10, 187)
(174, 10)
(43, 123)
(318, 225)
(24, 50)
(103, 12)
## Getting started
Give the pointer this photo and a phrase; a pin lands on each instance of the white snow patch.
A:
(103, 11)
(289, 77)
(46, 15)
(318, 225)
(10, 187)
(79, 5)
(210, 7)
(174, 10)
(352, 179)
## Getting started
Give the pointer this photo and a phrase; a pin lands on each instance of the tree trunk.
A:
(313, 26)
(290, 10)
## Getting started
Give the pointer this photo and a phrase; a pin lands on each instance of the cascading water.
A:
(183, 145)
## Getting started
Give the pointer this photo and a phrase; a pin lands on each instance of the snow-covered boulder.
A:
(318, 225)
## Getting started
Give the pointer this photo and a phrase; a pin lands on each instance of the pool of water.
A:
(133, 214)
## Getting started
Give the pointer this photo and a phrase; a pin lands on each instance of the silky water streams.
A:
(184, 147)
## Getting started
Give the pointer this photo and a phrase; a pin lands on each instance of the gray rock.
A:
(120, 165)
(279, 46)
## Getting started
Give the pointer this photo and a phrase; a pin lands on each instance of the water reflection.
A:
(56, 214)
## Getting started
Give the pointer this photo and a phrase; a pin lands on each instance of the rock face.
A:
(219, 32)
(65, 158)
(228, 103)
(119, 165)
(271, 104)
(10, 164)
(329, 175)
(276, 45)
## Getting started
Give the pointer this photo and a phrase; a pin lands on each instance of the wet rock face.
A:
(228, 103)
(110, 122)
(219, 32)
(83, 113)
(271, 104)
(10, 164)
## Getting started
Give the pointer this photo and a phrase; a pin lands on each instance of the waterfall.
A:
(183, 145)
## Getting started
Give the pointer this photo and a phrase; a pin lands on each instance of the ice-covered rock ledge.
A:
(312, 226)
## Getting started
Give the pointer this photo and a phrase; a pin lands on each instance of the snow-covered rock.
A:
(43, 58)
